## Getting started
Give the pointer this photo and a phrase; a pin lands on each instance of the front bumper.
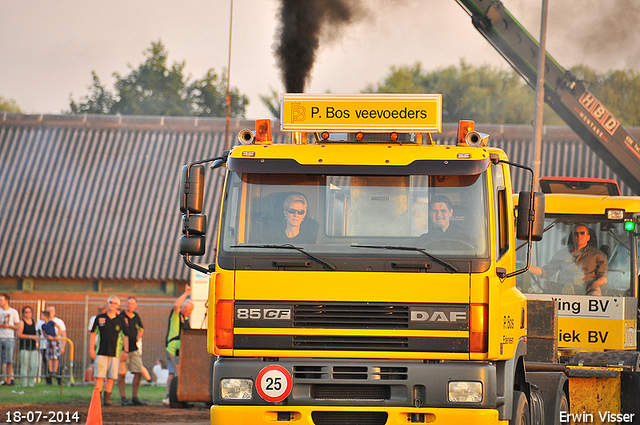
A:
(326, 415)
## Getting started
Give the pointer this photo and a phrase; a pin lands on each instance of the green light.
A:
(629, 226)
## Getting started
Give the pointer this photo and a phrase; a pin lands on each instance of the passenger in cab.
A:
(297, 229)
(582, 264)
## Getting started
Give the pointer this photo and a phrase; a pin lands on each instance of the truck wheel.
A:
(520, 414)
(174, 403)
(564, 407)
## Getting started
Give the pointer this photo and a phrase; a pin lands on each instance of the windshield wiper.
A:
(325, 264)
(440, 261)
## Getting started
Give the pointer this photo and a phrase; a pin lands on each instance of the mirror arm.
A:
(198, 267)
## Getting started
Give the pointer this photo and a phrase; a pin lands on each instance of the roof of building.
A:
(96, 197)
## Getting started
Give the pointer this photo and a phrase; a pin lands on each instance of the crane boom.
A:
(567, 95)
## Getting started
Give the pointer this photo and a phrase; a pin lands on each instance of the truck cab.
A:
(588, 320)
(339, 293)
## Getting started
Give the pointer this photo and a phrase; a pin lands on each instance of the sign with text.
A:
(594, 322)
(362, 113)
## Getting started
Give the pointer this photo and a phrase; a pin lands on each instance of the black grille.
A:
(351, 392)
(347, 315)
(349, 418)
(350, 372)
(390, 373)
(350, 342)
(309, 372)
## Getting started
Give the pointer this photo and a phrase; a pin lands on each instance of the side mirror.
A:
(192, 245)
(192, 189)
(524, 214)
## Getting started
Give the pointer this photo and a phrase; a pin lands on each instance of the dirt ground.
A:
(120, 415)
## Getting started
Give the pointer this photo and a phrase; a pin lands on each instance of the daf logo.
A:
(438, 316)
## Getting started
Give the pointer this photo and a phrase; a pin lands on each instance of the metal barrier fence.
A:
(76, 314)
(30, 366)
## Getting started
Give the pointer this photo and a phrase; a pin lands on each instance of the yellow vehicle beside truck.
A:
(371, 318)
(595, 337)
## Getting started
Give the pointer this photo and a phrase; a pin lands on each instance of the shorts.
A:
(172, 363)
(7, 346)
(133, 363)
(53, 350)
(106, 367)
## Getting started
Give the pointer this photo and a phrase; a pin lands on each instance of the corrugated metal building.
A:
(89, 204)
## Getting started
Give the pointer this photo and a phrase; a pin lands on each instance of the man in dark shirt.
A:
(440, 226)
(110, 330)
(135, 330)
(582, 265)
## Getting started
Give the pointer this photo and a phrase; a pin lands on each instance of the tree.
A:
(8, 105)
(484, 93)
(99, 102)
(156, 89)
(208, 97)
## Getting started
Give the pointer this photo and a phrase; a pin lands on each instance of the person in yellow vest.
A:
(178, 320)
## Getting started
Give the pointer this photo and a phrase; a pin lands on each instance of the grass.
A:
(78, 394)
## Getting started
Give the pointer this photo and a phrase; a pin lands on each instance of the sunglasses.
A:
(292, 211)
(580, 233)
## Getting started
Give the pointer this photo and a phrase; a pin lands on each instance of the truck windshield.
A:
(329, 216)
(565, 269)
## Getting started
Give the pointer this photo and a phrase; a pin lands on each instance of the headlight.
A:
(236, 389)
(465, 392)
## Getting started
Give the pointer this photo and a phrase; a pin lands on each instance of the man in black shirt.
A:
(135, 330)
(110, 330)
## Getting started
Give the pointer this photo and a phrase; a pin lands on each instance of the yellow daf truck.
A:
(363, 273)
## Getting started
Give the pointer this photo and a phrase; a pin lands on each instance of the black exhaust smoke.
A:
(302, 24)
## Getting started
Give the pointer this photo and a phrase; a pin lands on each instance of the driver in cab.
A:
(582, 268)
(441, 226)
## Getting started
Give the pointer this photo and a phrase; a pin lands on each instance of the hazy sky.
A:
(49, 48)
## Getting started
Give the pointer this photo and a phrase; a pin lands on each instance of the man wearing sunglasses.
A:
(582, 265)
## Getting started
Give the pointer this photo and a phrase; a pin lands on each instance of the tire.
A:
(563, 407)
(520, 414)
(174, 403)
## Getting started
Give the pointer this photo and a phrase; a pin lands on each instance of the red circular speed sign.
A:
(274, 383)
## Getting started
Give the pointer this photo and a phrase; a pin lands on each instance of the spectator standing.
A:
(178, 320)
(135, 330)
(44, 342)
(51, 331)
(110, 328)
(63, 343)
(9, 319)
(26, 332)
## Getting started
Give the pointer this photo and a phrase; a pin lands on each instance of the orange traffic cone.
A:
(94, 417)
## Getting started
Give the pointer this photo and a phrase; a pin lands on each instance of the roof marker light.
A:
(263, 131)
(464, 127)
(615, 214)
